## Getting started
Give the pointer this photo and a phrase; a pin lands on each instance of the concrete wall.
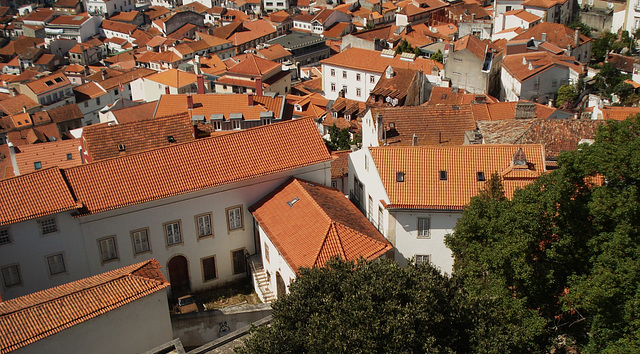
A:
(275, 264)
(132, 328)
(198, 328)
(365, 84)
(465, 71)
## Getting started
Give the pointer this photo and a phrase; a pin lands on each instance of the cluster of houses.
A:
(167, 147)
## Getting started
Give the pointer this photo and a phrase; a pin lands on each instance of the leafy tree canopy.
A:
(567, 94)
(568, 245)
(437, 56)
(405, 47)
(380, 307)
(339, 139)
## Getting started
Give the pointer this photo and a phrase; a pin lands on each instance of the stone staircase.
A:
(260, 278)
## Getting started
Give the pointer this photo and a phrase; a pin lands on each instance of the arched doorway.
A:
(280, 286)
(179, 276)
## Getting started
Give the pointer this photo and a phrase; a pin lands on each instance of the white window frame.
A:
(172, 232)
(56, 264)
(11, 272)
(424, 227)
(380, 219)
(358, 92)
(234, 218)
(5, 236)
(204, 226)
(423, 259)
(48, 226)
(108, 248)
(139, 237)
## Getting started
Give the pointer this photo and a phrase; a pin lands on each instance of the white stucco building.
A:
(185, 205)
(121, 311)
(355, 72)
(304, 224)
(108, 7)
(415, 194)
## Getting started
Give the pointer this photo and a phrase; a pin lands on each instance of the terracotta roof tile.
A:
(254, 66)
(135, 113)
(173, 78)
(319, 225)
(33, 317)
(48, 83)
(91, 89)
(423, 188)
(621, 62)
(507, 110)
(527, 65)
(65, 113)
(371, 60)
(433, 125)
(474, 45)
(187, 167)
(13, 105)
(208, 104)
(618, 113)
(49, 154)
(125, 16)
(545, 4)
(120, 27)
(340, 163)
(556, 33)
(274, 52)
(103, 140)
(20, 202)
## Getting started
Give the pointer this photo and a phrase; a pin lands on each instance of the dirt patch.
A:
(236, 293)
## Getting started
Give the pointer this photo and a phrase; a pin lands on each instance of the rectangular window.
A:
(98, 101)
(234, 218)
(203, 224)
(4, 236)
(344, 74)
(86, 104)
(172, 233)
(333, 72)
(423, 259)
(358, 92)
(536, 86)
(48, 226)
(371, 211)
(217, 125)
(236, 123)
(366, 163)
(239, 263)
(344, 90)
(11, 275)
(380, 219)
(424, 228)
(108, 249)
(372, 79)
(333, 87)
(443, 175)
(266, 252)
(358, 77)
(209, 268)
(56, 264)
(554, 83)
(140, 241)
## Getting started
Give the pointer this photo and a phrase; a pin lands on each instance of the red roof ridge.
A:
(333, 237)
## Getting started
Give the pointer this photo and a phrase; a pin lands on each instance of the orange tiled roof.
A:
(525, 66)
(102, 140)
(545, 4)
(125, 16)
(33, 195)
(49, 154)
(188, 167)
(556, 33)
(254, 66)
(173, 78)
(48, 83)
(119, 27)
(209, 104)
(523, 15)
(422, 187)
(371, 60)
(340, 163)
(13, 105)
(135, 113)
(506, 110)
(65, 113)
(447, 96)
(474, 45)
(319, 225)
(274, 52)
(618, 113)
(74, 20)
(90, 89)
(433, 125)
(33, 317)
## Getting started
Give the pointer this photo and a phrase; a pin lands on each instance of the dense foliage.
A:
(568, 246)
(340, 139)
(567, 94)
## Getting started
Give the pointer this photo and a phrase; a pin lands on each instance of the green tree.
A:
(608, 78)
(405, 47)
(601, 46)
(438, 56)
(566, 246)
(567, 94)
(340, 139)
(380, 307)
(584, 29)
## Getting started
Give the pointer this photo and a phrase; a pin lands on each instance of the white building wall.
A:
(408, 244)
(78, 237)
(369, 131)
(510, 90)
(206, 3)
(502, 6)
(133, 328)
(275, 264)
(617, 21)
(346, 77)
(29, 250)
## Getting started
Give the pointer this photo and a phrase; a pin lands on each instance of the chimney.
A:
(379, 126)
(190, 102)
(259, 86)
(24, 109)
(250, 96)
(104, 74)
(414, 141)
(576, 38)
(81, 155)
(14, 162)
(389, 72)
(544, 37)
(166, 90)
(200, 81)
(196, 65)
